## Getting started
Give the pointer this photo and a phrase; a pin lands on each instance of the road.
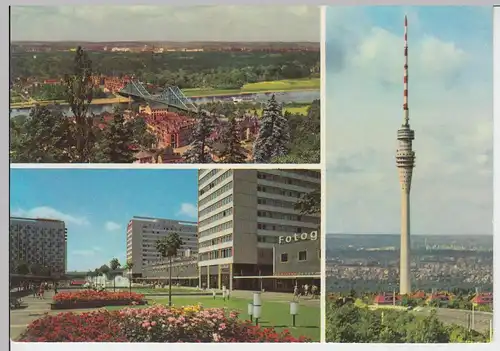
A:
(452, 316)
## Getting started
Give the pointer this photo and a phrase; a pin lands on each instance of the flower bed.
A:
(153, 324)
(95, 299)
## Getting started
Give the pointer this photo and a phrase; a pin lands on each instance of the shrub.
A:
(70, 327)
(153, 324)
(91, 295)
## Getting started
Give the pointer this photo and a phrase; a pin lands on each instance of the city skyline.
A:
(98, 204)
(165, 23)
(450, 59)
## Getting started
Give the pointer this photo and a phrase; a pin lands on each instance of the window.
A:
(284, 258)
(302, 255)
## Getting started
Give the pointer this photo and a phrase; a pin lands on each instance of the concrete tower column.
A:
(405, 279)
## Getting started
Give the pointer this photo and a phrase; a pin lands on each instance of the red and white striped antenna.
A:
(405, 79)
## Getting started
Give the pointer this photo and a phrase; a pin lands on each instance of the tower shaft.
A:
(404, 261)
(405, 162)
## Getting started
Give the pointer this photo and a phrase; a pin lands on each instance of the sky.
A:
(97, 205)
(450, 104)
(165, 23)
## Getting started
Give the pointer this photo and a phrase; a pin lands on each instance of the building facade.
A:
(39, 241)
(241, 216)
(184, 271)
(144, 232)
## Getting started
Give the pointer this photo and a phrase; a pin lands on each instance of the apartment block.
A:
(144, 232)
(39, 241)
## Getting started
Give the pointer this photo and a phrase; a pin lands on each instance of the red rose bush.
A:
(153, 324)
(91, 295)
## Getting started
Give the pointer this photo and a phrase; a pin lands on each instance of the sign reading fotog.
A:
(298, 237)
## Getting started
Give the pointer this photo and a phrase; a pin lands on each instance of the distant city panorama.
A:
(370, 263)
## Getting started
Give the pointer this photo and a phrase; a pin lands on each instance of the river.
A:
(283, 97)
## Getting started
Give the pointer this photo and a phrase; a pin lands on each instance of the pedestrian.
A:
(42, 291)
(296, 293)
(306, 290)
(33, 287)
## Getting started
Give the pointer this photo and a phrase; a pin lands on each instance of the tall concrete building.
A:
(39, 241)
(242, 214)
(405, 161)
(144, 232)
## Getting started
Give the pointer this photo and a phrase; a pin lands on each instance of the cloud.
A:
(450, 110)
(112, 226)
(188, 210)
(166, 23)
(50, 213)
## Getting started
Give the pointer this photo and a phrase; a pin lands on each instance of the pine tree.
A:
(232, 151)
(198, 151)
(116, 141)
(274, 135)
(79, 93)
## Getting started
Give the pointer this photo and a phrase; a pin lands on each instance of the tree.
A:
(116, 142)
(114, 264)
(105, 270)
(232, 151)
(142, 137)
(309, 203)
(168, 247)
(274, 135)
(199, 149)
(128, 266)
(305, 137)
(45, 136)
(22, 268)
(79, 95)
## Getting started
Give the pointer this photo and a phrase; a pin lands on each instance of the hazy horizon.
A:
(165, 23)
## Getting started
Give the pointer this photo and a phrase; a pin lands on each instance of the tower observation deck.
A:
(405, 162)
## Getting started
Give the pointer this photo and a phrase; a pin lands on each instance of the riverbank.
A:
(279, 86)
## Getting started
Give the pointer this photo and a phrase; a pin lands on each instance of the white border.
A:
(4, 204)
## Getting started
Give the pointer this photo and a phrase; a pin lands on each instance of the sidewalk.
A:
(32, 309)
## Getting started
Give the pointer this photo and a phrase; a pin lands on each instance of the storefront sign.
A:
(298, 237)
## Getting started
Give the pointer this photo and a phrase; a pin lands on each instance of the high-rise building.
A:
(36, 241)
(144, 232)
(243, 215)
(405, 161)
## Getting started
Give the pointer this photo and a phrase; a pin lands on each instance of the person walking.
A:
(296, 293)
(42, 291)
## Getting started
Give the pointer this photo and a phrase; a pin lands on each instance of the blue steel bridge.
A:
(172, 96)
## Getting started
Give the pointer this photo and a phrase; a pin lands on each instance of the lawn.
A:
(261, 87)
(274, 314)
(296, 110)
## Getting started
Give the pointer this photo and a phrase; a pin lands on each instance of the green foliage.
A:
(114, 264)
(169, 245)
(45, 136)
(114, 145)
(274, 134)
(142, 137)
(200, 147)
(232, 151)
(305, 138)
(217, 70)
(79, 95)
(349, 323)
(310, 203)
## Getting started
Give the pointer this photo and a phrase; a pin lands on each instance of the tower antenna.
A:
(405, 78)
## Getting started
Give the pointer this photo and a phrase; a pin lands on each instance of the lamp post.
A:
(257, 307)
(294, 311)
(250, 311)
(130, 281)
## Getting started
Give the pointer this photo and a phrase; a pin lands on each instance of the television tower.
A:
(405, 161)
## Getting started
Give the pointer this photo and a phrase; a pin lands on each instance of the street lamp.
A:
(257, 307)
(294, 311)
(250, 311)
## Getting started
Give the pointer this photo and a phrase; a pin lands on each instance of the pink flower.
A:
(146, 325)
(153, 323)
(222, 326)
